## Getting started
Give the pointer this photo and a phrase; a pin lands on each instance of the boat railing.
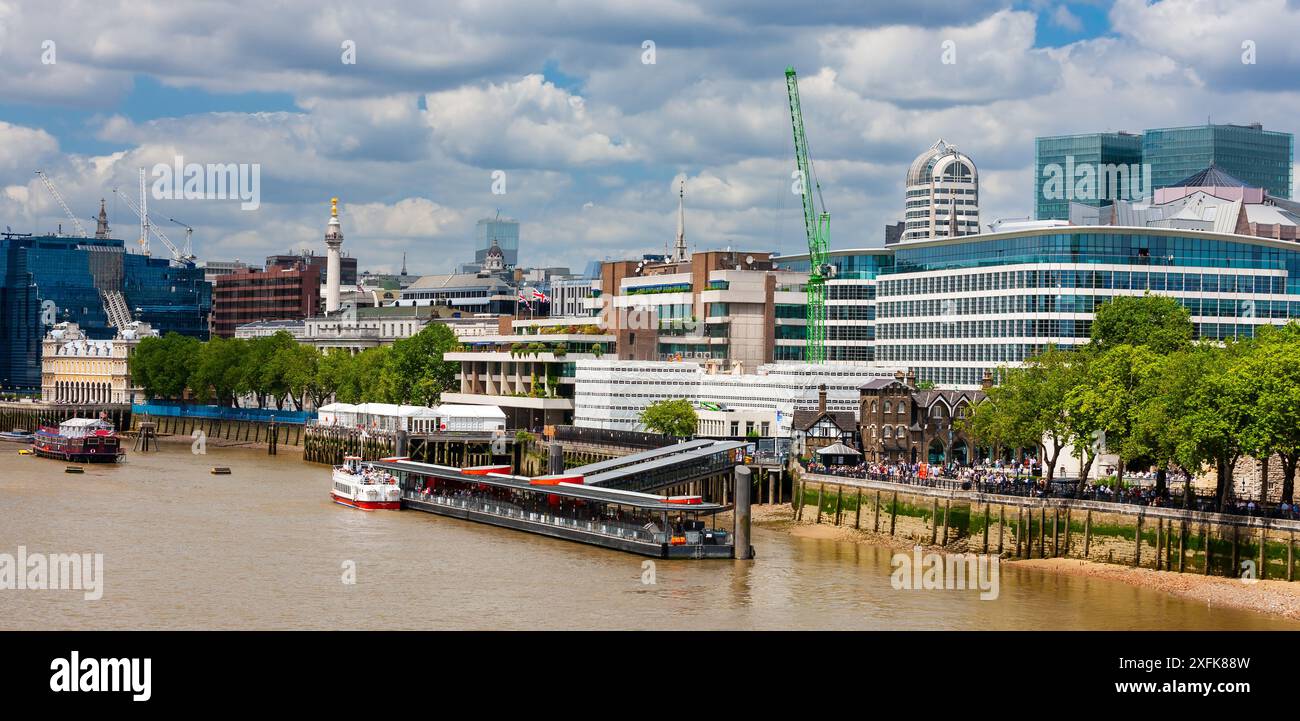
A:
(505, 509)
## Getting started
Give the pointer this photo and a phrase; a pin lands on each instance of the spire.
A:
(679, 253)
(403, 262)
(101, 230)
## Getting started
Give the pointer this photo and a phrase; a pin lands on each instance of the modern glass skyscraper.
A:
(1064, 153)
(50, 279)
(1261, 158)
(506, 233)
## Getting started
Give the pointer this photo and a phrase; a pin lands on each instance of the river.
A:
(265, 548)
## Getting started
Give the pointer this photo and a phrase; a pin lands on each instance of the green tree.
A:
(1155, 321)
(1271, 372)
(162, 366)
(675, 417)
(219, 371)
(1118, 383)
(415, 371)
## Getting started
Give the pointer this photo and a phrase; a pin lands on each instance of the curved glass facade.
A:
(949, 309)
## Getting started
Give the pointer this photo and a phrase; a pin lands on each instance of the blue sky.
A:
(591, 137)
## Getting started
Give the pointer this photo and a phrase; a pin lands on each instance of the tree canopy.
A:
(675, 417)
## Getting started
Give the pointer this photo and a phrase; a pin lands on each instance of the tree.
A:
(1118, 382)
(162, 366)
(1155, 321)
(1270, 369)
(219, 371)
(415, 371)
(1209, 424)
(675, 417)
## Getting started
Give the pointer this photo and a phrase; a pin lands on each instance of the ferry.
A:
(82, 440)
(360, 485)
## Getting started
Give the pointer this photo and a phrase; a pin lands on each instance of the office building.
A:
(256, 295)
(942, 199)
(503, 232)
(1060, 159)
(1261, 158)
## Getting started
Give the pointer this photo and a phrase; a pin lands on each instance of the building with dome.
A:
(942, 195)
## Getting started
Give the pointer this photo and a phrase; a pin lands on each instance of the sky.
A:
(580, 119)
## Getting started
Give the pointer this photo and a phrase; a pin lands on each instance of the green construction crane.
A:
(818, 227)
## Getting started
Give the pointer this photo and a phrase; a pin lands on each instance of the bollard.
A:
(555, 459)
(743, 550)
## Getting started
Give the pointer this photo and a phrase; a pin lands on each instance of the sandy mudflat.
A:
(1280, 598)
(1277, 597)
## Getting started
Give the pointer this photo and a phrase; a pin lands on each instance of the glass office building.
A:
(1261, 158)
(52, 279)
(506, 233)
(850, 304)
(951, 308)
(1064, 152)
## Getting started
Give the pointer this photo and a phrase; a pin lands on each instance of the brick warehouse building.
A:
(899, 423)
(256, 295)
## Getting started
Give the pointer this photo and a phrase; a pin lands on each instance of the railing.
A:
(611, 437)
(181, 410)
(503, 509)
(1030, 486)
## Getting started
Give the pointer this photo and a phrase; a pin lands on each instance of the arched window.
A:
(887, 433)
(874, 407)
(889, 407)
(902, 431)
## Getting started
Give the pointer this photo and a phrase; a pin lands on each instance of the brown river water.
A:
(265, 548)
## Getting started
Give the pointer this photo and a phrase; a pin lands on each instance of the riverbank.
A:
(175, 440)
(1277, 598)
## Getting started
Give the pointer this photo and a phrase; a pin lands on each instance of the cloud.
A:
(1067, 20)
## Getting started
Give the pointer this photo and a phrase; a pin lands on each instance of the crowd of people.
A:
(1025, 478)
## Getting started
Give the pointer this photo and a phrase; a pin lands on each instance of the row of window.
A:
(1104, 279)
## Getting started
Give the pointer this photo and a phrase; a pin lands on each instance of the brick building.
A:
(278, 293)
(899, 423)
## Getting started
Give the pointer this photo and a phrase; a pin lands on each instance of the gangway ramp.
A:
(663, 467)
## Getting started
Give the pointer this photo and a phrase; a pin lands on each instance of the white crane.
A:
(188, 250)
(49, 185)
(146, 227)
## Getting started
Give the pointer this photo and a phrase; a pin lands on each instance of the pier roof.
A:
(569, 490)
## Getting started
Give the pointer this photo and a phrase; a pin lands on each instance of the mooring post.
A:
(1137, 542)
(1263, 541)
(1182, 542)
(1042, 532)
(934, 522)
(1002, 525)
(839, 503)
(743, 550)
(986, 527)
(1160, 523)
(1290, 557)
(1205, 536)
(1056, 531)
(875, 525)
(821, 487)
(1087, 532)
(893, 512)
(947, 512)
(1067, 531)
(857, 518)
(1236, 550)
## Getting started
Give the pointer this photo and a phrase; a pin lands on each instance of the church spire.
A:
(101, 230)
(679, 253)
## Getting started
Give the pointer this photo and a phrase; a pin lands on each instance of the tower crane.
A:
(49, 185)
(188, 250)
(817, 225)
(146, 227)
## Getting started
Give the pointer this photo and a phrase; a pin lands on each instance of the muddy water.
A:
(266, 548)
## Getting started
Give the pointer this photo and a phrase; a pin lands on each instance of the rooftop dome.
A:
(942, 162)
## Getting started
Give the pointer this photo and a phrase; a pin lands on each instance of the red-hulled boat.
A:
(82, 440)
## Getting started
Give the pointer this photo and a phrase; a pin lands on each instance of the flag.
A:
(524, 300)
(539, 295)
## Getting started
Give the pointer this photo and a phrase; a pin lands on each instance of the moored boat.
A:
(83, 440)
(17, 435)
(358, 485)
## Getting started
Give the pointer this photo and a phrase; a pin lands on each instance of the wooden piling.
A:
(1263, 556)
(1290, 557)
(986, 528)
(875, 524)
(821, 487)
(857, 517)
(1087, 533)
(934, 522)
(1137, 542)
(947, 513)
(1042, 532)
(1067, 531)
(1236, 550)
(1002, 525)
(1056, 531)
(893, 512)
(839, 503)
(1160, 524)
(1182, 542)
(1205, 536)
